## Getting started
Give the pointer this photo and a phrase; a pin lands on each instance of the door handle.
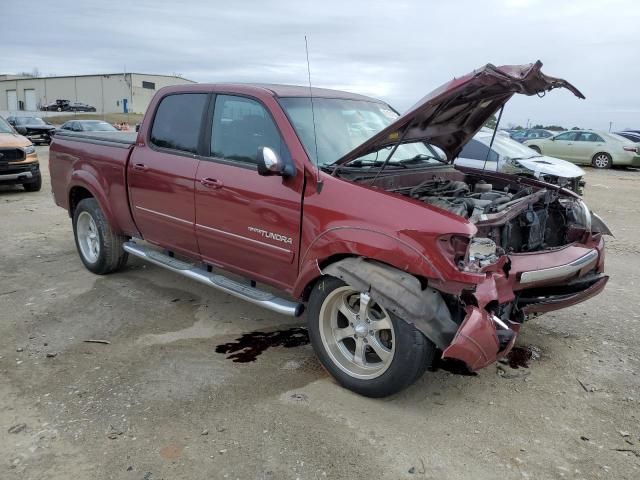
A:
(211, 183)
(140, 166)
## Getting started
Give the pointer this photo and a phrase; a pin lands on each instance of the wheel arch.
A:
(600, 152)
(400, 292)
(346, 242)
(84, 185)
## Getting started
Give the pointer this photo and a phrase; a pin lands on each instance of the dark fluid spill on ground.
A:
(520, 357)
(250, 345)
(450, 365)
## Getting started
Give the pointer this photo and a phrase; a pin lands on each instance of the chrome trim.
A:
(233, 235)
(598, 225)
(164, 215)
(245, 292)
(560, 271)
(500, 323)
(15, 176)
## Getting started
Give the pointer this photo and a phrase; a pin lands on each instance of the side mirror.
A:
(553, 139)
(269, 163)
(137, 127)
(21, 130)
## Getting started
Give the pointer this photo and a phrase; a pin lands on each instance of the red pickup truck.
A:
(348, 209)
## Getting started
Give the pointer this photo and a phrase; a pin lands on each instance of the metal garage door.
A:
(30, 99)
(12, 100)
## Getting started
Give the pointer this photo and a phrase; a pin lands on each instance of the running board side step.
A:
(245, 292)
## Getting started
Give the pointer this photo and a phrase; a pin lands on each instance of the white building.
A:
(108, 93)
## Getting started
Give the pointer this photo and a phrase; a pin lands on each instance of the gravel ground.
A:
(158, 402)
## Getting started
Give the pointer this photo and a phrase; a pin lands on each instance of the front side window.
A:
(240, 127)
(177, 122)
(566, 136)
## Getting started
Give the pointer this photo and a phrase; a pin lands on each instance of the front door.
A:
(245, 222)
(162, 174)
(561, 146)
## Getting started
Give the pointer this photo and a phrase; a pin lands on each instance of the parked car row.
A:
(589, 147)
(67, 106)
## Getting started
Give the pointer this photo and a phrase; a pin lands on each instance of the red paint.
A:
(204, 209)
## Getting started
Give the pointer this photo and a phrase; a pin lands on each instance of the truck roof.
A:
(277, 90)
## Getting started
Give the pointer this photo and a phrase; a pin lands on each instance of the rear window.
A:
(178, 120)
(478, 151)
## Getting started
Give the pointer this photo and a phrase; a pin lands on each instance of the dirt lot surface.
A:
(158, 402)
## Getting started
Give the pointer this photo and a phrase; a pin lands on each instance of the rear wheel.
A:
(602, 160)
(100, 248)
(363, 346)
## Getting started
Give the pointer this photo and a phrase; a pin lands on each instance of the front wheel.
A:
(100, 248)
(33, 185)
(602, 160)
(363, 346)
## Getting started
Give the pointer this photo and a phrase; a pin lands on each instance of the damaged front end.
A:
(536, 250)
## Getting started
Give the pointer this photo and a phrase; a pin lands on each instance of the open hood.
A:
(450, 115)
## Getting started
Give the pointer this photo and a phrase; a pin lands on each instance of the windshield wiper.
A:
(418, 158)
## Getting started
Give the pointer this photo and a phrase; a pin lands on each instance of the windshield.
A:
(29, 121)
(507, 147)
(342, 125)
(99, 127)
(4, 126)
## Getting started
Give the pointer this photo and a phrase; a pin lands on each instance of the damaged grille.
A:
(11, 154)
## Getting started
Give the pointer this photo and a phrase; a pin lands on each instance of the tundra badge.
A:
(272, 235)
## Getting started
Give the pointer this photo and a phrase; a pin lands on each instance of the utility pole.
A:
(610, 123)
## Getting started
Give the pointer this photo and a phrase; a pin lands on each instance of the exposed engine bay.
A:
(517, 217)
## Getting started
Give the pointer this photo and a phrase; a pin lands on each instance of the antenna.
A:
(493, 137)
(313, 117)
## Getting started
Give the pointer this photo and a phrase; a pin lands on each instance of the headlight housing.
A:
(29, 150)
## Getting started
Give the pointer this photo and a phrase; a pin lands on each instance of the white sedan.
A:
(508, 156)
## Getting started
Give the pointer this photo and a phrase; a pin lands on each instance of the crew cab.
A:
(340, 204)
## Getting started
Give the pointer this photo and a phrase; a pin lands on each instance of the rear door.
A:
(586, 145)
(245, 222)
(162, 173)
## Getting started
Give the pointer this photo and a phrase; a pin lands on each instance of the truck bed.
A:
(126, 139)
(96, 161)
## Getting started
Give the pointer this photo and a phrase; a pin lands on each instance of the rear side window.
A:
(478, 151)
(240, 126)
(178, 120)
(589, 137)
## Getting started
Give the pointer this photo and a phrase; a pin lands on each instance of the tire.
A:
(99, 247)
(602, 160)
(534, 148)
(405, 353)
(34, 185)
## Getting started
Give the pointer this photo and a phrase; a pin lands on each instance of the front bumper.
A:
(18, 173)
(535, 283)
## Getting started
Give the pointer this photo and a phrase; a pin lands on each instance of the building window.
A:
(149, 85)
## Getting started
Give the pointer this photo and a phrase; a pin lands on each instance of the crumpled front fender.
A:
(400, 293)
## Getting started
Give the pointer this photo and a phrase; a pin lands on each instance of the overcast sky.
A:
(394, 50)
